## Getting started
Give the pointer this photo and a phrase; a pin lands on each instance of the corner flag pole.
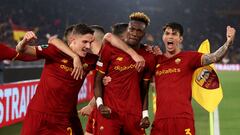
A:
(211, 123)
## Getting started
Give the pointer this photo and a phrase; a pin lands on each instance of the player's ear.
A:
(181, 39)
(71, 39)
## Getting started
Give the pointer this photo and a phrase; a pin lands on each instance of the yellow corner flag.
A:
(18, 34)
(206, 88)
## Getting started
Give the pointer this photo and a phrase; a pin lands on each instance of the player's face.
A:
(123, 36)
(172, 40)
(81, 44)
(135, 32)
(97, 42)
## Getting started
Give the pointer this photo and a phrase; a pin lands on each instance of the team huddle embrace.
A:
(123, 68)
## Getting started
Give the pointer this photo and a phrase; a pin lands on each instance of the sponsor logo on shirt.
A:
(66, 68)
(123, 68)
(168, 71)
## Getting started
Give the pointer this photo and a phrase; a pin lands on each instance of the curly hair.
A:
(140, 16)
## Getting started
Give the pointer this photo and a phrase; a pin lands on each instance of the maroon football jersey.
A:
(57, 91)
(173, 84)
(123, 92)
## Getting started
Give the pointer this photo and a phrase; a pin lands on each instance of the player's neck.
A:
(171, 54)
(135, 47)
(96, 49)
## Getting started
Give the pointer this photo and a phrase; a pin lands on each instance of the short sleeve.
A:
(47, 51)
(104, 59)
(150, 66)
(195, 59)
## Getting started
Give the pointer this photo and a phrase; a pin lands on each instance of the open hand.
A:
(77, 68)
(86, 110)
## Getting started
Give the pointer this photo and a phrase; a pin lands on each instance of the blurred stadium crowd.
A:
(201, 19)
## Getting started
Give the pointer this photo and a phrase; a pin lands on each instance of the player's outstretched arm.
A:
(98, 92)
(23, 45)
(77, 65)
(118, 43)
(221, 52)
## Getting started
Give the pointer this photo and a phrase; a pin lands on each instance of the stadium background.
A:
(201, 19)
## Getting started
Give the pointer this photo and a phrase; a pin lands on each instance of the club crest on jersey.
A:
(158, 65)
(177, 60)
(64, 61)
(119, 58)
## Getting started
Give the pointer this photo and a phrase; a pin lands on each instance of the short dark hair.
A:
(98, 32)
(82, 29)
(68, 31)
(97, 28)
(174, 26)
(119, 28)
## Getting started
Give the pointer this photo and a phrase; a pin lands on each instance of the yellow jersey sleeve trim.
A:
(100, 71)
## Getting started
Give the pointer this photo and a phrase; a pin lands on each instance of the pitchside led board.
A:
(15, 97)
(206, 88)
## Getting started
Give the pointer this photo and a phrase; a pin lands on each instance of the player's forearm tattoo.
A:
(216, 56)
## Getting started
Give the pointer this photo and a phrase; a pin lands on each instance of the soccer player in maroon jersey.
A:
(174, 70)
(53, 108)
(119, 103)
(118, 29)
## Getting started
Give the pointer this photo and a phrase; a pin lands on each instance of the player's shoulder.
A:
(189, 54)
(48, 46)
(107, 45)
(142, 51)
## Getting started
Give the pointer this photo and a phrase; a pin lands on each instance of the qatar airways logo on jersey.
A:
(123, 68)
(168, 71)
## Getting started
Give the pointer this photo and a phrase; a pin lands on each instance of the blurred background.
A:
(202, 19)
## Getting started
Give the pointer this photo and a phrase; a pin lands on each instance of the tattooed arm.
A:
(220, 53)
